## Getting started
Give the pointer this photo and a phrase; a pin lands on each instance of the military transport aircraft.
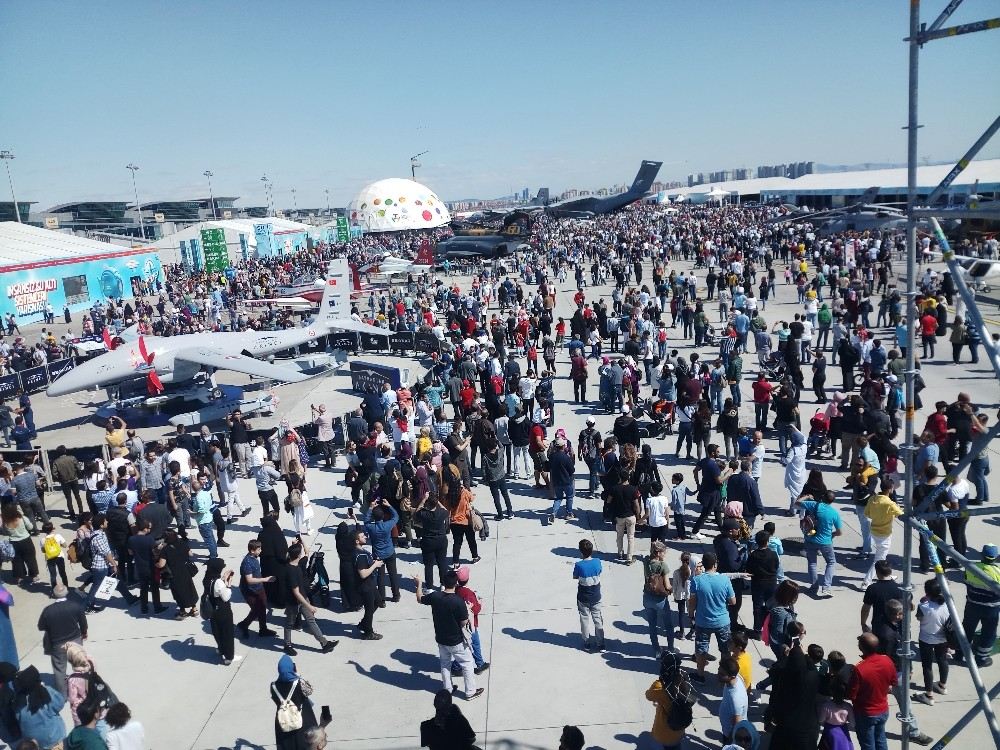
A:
(177, 359)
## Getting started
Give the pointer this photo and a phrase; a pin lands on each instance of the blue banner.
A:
(58, 367)
(264, 232)
(34, 379)
(367, 377)
(9, 385)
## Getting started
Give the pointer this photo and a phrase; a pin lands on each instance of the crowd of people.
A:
(666, 354)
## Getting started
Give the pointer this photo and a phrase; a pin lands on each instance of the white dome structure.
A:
(395, 204)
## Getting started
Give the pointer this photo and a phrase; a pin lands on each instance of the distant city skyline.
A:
(502, 97)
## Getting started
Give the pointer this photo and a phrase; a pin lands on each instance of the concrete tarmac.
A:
(540, 679)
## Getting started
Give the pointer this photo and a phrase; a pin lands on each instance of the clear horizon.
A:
(333, 97)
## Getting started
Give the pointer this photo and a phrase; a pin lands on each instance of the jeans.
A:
(684, 432)
(784, 436)
(626, 527)
(561, 492)
(734, 391)
(97, 578)
(975, 615)
(929, 654)
(658, 614)
(619, 398)
(979, 469)
(866, 529)
(462, 656)
(594, 479)
(760, 593)
(716, 398)
(882, 545)
(871, 731)
(591, 614)
(760, 412)
(812, 551)
(497, 488)
(207, 531)
(521, 451)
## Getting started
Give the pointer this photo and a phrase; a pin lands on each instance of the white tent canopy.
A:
(397, 204)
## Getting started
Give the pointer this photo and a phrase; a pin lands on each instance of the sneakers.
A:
(329, 646)
(268, 633)
(244, 630)
(372, 636)
(222, 543)
(290, 651)
(921, 739)
(824, 592)
(482, 667)
(571, 517)
(927, 700)
(475, 695)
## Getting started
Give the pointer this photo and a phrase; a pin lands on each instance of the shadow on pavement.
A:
(188, 650)
(405, 680)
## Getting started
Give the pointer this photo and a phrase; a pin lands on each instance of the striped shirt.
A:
(588, 575)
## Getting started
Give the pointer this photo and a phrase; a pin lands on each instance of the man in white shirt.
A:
(657, 518)
(181, 456)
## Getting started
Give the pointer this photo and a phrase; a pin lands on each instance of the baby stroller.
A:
(774, 368)
(661, 411)
(712, 337)
(818, 441)
(318, 578)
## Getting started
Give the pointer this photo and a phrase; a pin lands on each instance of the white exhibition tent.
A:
(397, 204)
(24, 243)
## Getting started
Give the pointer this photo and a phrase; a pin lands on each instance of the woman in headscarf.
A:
(218, 587)
(795, 469)
(37, 708)
(273, 553)
(289, 686)
(288, 448)
(176, 555)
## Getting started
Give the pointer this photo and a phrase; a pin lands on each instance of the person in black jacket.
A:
(731, 560)
(434, 521)
(118, 532)
(61, 622)
(762, 565)
(626, 429)
(273, 552)
(448, 729)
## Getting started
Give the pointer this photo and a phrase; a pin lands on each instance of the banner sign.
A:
(9, 385)
(373, 341)
(426, 342)
(264, 232)
(343, 340)
(34, 379)
(401, 342)
(367, 377)
(213, 242)
(58, 367)
(343, 231)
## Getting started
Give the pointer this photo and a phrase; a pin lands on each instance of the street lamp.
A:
(295, 201)
(7, 156)
(267, 193)
(414, 164)
(208, 173)
(327, 191)
(133, 169)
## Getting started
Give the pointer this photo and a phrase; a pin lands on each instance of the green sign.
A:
(213, 242)
(343, 231)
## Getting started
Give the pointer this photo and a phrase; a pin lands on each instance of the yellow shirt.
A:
(662, 732)
(746, 669)
(424, 445)
(882, 510)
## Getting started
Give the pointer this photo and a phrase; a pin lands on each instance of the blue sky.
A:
(329, 96)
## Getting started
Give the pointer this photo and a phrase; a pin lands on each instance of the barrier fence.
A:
(33, 379)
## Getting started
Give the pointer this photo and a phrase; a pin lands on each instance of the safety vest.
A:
(977, 592)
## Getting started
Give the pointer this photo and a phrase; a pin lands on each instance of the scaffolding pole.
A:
(978, 446)
(932, 515)
(931, 543)
(919, 35)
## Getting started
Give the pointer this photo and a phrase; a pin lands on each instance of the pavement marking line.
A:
(493, 623)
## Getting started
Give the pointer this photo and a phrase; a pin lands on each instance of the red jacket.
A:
(871, 681)
(473, 601)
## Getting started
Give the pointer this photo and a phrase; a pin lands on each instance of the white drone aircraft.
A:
(176, 359)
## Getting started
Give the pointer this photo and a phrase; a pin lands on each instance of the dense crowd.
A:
(412, 452)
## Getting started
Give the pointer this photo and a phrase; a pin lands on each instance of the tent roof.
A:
(22, 244)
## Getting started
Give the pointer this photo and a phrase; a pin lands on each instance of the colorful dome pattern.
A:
(397, 204)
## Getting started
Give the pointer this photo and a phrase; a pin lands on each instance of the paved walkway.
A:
(540, 677)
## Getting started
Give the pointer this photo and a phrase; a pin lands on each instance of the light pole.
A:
(414, 164)
(133, 169)
(7, 156)
(211, 197)
(295, 202)
(267, 193)
(327, 191)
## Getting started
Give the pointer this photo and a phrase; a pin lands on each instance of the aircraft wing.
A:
(238, 363)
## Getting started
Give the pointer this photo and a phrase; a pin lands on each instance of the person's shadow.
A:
(405, 680)
(188, 650)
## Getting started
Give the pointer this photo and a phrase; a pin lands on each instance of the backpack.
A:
(206, 607)
(657, 584)
(680, 715)
(294, 499)
(808, 523)
(80, 551)
(230, 470)
(51, 547)
(99, 696)
(590, 444)
(289, 716)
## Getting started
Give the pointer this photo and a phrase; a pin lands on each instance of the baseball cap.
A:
(990, 552)
(591, 420)
(463, 574)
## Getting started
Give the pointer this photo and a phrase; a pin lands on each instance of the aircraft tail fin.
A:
(336, 301)
(645, 176)
(869, 195)
(425, 256)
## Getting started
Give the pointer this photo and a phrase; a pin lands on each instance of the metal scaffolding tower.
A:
(915, 519)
